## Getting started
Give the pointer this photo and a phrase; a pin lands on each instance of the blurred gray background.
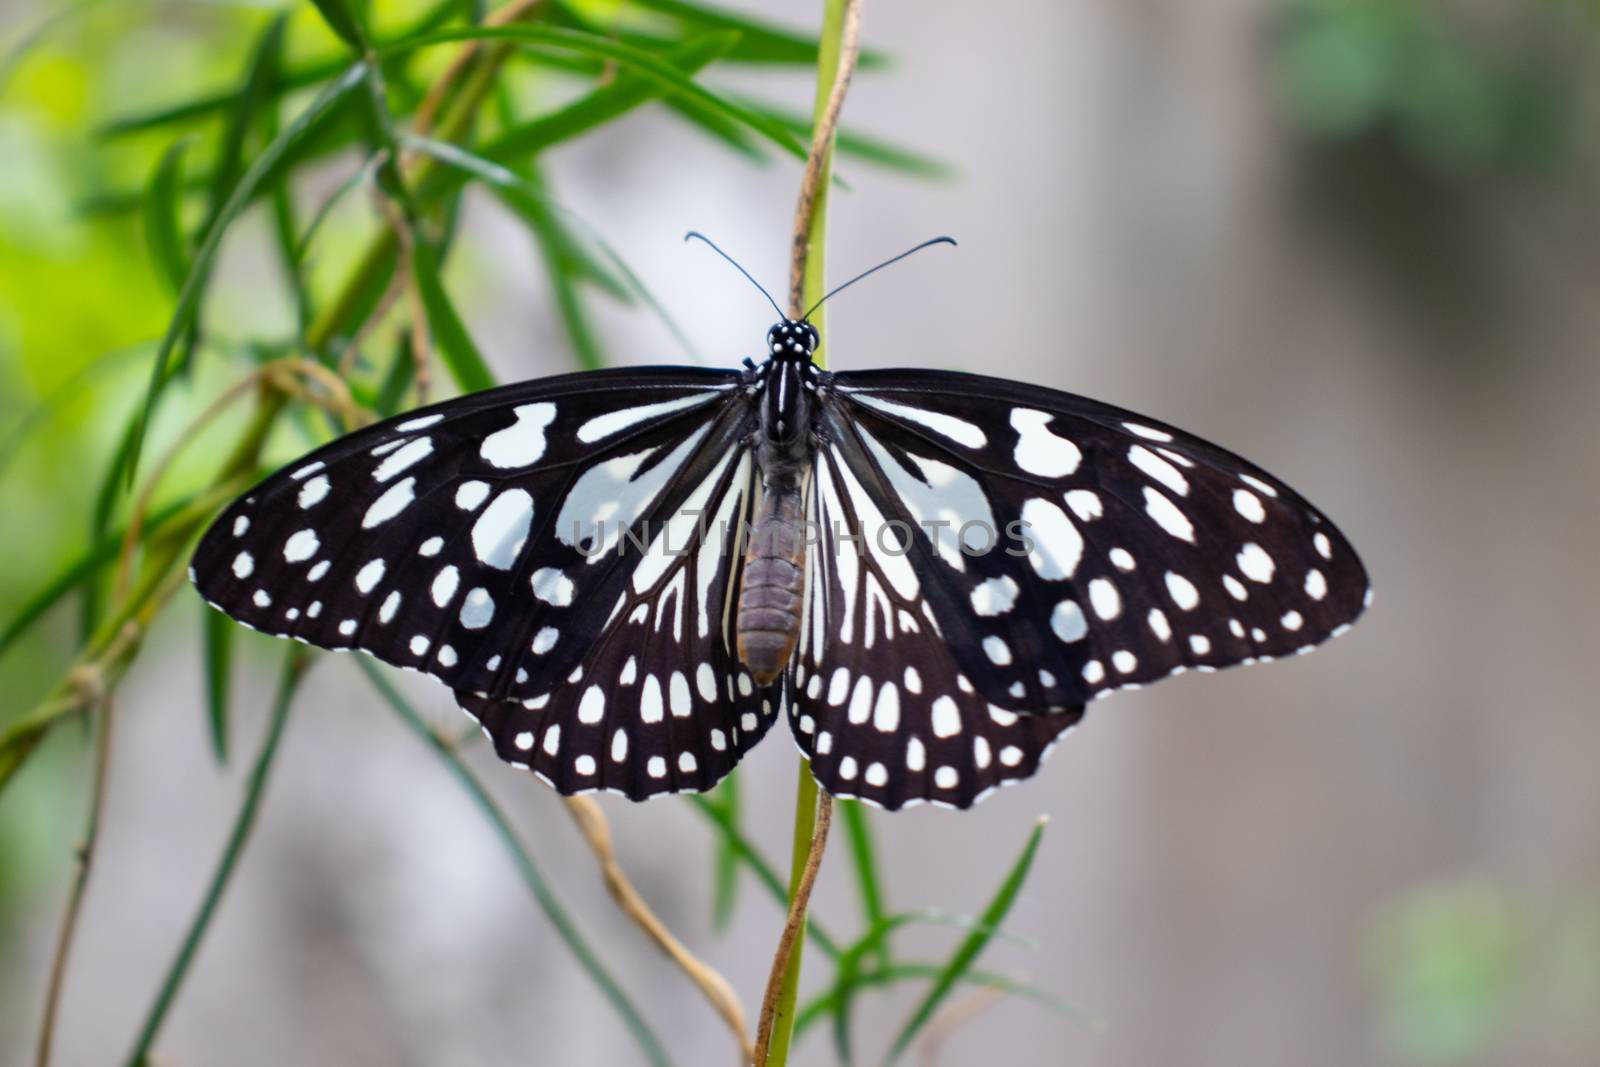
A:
(1384, 853)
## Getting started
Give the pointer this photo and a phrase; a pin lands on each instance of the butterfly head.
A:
(792, 339)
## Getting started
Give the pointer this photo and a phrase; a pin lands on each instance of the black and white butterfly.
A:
(628, 575)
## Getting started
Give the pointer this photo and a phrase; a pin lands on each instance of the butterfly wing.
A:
(489, 540)
(877, 699)
(660, 703)
(1084, 548)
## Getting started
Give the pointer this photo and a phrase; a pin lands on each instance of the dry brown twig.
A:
(405, 281)
(592, 824)
(80, 884)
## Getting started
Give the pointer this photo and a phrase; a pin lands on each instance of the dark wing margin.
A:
(1083, 548)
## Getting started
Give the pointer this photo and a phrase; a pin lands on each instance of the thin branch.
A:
(793, 925)
(592, 824)
(405, 279)
(80, 884)
(814, 182)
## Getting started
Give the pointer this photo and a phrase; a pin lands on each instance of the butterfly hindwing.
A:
(877, 702)
(1084, 548)
(484, 540)
(660, 703)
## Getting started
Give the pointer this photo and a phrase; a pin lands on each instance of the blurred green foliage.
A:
(1462, 970)
(1464, 89)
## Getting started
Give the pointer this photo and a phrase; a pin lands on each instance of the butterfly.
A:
(628, 576)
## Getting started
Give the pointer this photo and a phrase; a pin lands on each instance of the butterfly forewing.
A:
(485, 540)
(660, 703)
(1066, 548)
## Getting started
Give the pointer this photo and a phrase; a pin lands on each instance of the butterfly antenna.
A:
(874, 270)
(696, 234)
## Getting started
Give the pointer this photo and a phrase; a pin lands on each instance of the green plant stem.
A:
(812, 813)
(294, 667)
(837, 52)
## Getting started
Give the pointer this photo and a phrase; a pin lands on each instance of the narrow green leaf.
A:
(727, 133)
(761, 867)
(601, 106)
(341, 19)
(973, 944)
(847, 975)
(163, 216)
(554, 908)
(86, 567)
(761, 42)
(725, 876)
(254, 92)
(200, 271)
(289, 81)
(528, 199)
(643, 63)
(822, 1005)
(857, 145)
(294, 667)
(864, 860)
(218, 631)
(450, 335)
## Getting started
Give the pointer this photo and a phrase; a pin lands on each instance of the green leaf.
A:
(163, 211)
(341, 19)
(218, 631)
(761, 42)
(725, 876)
(848, 973)
(864, 147)
(255, 92)
(822, 1005)
(864, 859)
(450, 335)
(289, 81)
(529, 199)
(644, 63)
(554, 908)
(601, 106)
(973, 944)
(205, 257)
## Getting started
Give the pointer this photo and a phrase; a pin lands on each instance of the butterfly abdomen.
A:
(774, 584)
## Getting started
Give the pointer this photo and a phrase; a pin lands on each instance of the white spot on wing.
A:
(414, 452)
(1038, 450)
(394, 500)
(523, 442)
(498, 534)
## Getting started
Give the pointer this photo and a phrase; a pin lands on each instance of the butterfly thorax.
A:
(770, 597)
